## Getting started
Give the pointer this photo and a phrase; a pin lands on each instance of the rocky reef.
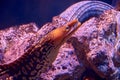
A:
(96, 46)
(93, 52)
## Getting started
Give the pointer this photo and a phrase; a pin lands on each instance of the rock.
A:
(64, 65)
(99, 38)
(15, 40)
(96, 45)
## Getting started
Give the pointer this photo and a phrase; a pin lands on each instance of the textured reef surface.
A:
(92, 52)
(96, 46)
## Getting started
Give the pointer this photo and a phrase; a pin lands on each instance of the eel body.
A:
(84, 10)
(39, 56)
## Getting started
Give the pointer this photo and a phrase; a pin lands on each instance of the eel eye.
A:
(68, 28)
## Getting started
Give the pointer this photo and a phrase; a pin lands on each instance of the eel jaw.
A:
(67, 31)
(73, 27)
(62, 34)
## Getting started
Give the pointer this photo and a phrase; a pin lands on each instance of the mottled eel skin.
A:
(41, 55)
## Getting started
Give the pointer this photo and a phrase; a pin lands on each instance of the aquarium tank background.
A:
(17, 12)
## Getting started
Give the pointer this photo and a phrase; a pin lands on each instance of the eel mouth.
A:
(72, 26)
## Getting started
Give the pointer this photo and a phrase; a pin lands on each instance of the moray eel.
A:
(39, 56)
(85, 10)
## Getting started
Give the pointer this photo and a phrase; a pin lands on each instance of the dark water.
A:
(116, 4)
(16, 12)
